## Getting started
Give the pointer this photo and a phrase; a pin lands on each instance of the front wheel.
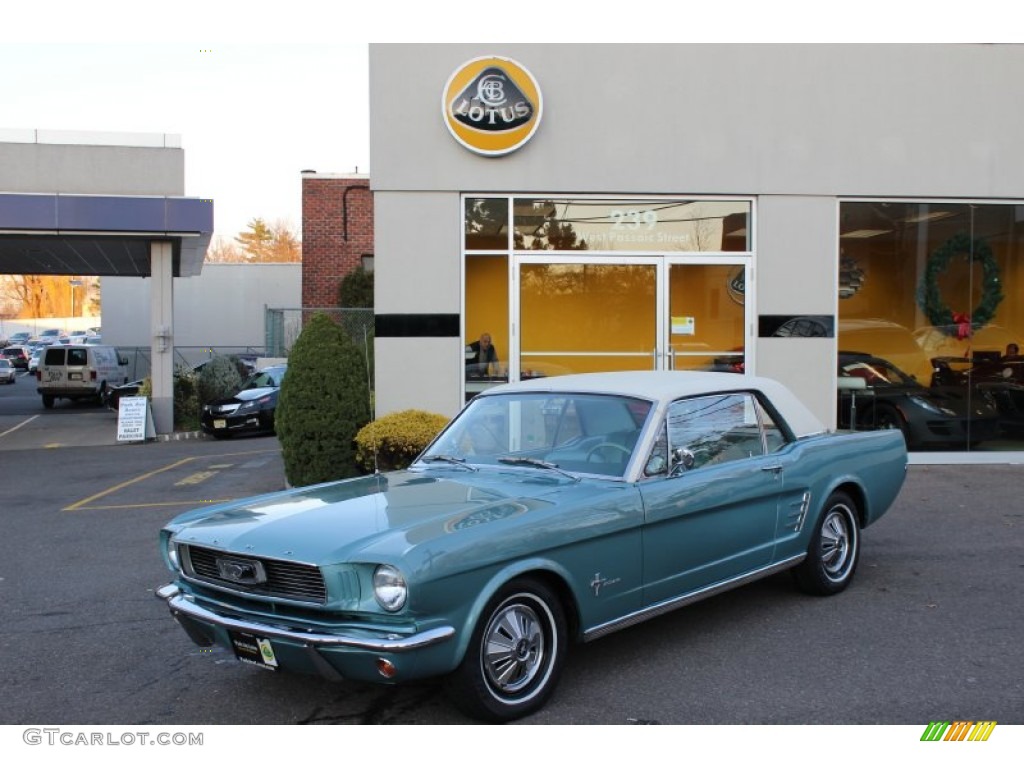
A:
(515, 655)
(834, 549)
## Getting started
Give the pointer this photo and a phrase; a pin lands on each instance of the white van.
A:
(77, 371)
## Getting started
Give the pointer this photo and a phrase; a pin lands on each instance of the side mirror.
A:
(682, 460)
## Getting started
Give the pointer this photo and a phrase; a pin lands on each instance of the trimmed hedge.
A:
(218, 378)
(324, 401)
(397, 439)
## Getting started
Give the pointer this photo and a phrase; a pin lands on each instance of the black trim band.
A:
(417, 326)
(796, 326)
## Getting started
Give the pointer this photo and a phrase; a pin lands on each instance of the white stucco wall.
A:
(797, 127)
(222, 307)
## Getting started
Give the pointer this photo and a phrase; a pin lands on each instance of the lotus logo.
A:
(492, 105)
(241, 571)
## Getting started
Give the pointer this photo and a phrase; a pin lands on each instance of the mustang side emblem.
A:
(241, 571)
(598, 582)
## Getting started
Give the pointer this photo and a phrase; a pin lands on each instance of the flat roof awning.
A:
(55, 234)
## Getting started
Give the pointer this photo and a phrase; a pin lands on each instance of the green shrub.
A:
(323, 403)
(396, 439)
(218, 378)
(356, 289)
(186, 400)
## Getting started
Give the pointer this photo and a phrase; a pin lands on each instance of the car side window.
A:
(713, 430)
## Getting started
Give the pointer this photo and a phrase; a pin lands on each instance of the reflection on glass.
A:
(545, 224)
(486, 223)
(932, 287)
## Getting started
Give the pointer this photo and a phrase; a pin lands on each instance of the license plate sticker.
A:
(254, 650)
(220, 424)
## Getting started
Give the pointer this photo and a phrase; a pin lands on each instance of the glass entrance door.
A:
(708, 317)
(581, 316)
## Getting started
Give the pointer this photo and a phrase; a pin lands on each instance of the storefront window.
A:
(663, 226)
(486, 223)
(929, 313)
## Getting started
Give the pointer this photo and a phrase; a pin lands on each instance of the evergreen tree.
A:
(322, 405)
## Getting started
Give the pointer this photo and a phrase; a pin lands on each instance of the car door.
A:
(711, 507)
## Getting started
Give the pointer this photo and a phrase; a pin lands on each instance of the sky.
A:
(260, 90)
(251, 116)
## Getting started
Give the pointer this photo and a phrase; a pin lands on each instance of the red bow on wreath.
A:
(963, 325)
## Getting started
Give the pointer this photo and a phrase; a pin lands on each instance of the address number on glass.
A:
(633, 218)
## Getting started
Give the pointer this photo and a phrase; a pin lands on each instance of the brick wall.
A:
(337, 231)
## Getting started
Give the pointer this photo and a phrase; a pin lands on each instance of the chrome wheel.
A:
(836, 543)
(833, 549)
(513, 648)
(515, 655)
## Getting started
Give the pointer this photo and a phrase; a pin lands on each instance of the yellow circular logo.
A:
(491, 105)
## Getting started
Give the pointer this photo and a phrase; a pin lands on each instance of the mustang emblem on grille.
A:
(241, 571)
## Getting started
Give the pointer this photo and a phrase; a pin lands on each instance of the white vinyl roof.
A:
(666, 386)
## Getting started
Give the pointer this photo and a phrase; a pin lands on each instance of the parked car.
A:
(550, 511)
(250, 410)
(18, 339)
(8, 373)
(113, 395)
(928, 417)
(17, 354)
(33, 360)
(988, 376)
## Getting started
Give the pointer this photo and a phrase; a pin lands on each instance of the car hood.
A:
(383, 515)
(246, 395)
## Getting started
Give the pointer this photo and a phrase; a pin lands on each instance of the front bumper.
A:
(333, 656)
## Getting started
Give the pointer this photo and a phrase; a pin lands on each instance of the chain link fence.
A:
(283, 327)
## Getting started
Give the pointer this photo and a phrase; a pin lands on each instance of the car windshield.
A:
(271, 377)
(877, 373)
(567, 432)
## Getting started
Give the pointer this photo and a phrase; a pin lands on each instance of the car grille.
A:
(294, 581)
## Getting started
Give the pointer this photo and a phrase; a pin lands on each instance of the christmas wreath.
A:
(929, 299)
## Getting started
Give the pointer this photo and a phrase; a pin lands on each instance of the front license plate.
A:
(254, 650)
(220, 424)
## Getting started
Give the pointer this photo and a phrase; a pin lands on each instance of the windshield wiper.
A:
(531, 462)
(450, 459)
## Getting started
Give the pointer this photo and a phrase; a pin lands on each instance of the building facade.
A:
(337, 233)
(819, 214)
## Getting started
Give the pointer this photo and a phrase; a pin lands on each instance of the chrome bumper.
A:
(181, 606)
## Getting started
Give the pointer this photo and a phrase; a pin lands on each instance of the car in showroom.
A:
(875, 394)
(8, 373)
(987, 375)
(248, 411)
(548, 512)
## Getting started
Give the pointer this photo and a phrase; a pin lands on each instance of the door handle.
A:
(774, 469)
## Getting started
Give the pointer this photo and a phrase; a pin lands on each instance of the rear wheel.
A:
(47, 401)
(834, 549)
(515, 655)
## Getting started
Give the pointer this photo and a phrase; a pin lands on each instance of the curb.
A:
(175, 436)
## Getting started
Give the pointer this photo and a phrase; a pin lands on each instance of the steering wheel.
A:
(601, 446)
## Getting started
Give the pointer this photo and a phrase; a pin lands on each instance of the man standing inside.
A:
(480, 356)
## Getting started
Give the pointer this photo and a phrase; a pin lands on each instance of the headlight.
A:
(931, 407)
(172, 552)
(389, 588)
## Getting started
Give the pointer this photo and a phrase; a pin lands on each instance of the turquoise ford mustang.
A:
(548, 512)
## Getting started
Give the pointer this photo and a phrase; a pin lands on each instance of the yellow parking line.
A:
(195, 478)
(125, 484)
(189, 503)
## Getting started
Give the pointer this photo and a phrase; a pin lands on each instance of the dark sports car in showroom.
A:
(875, 394)
(987, 375)
(249, 411)
(549, 512)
